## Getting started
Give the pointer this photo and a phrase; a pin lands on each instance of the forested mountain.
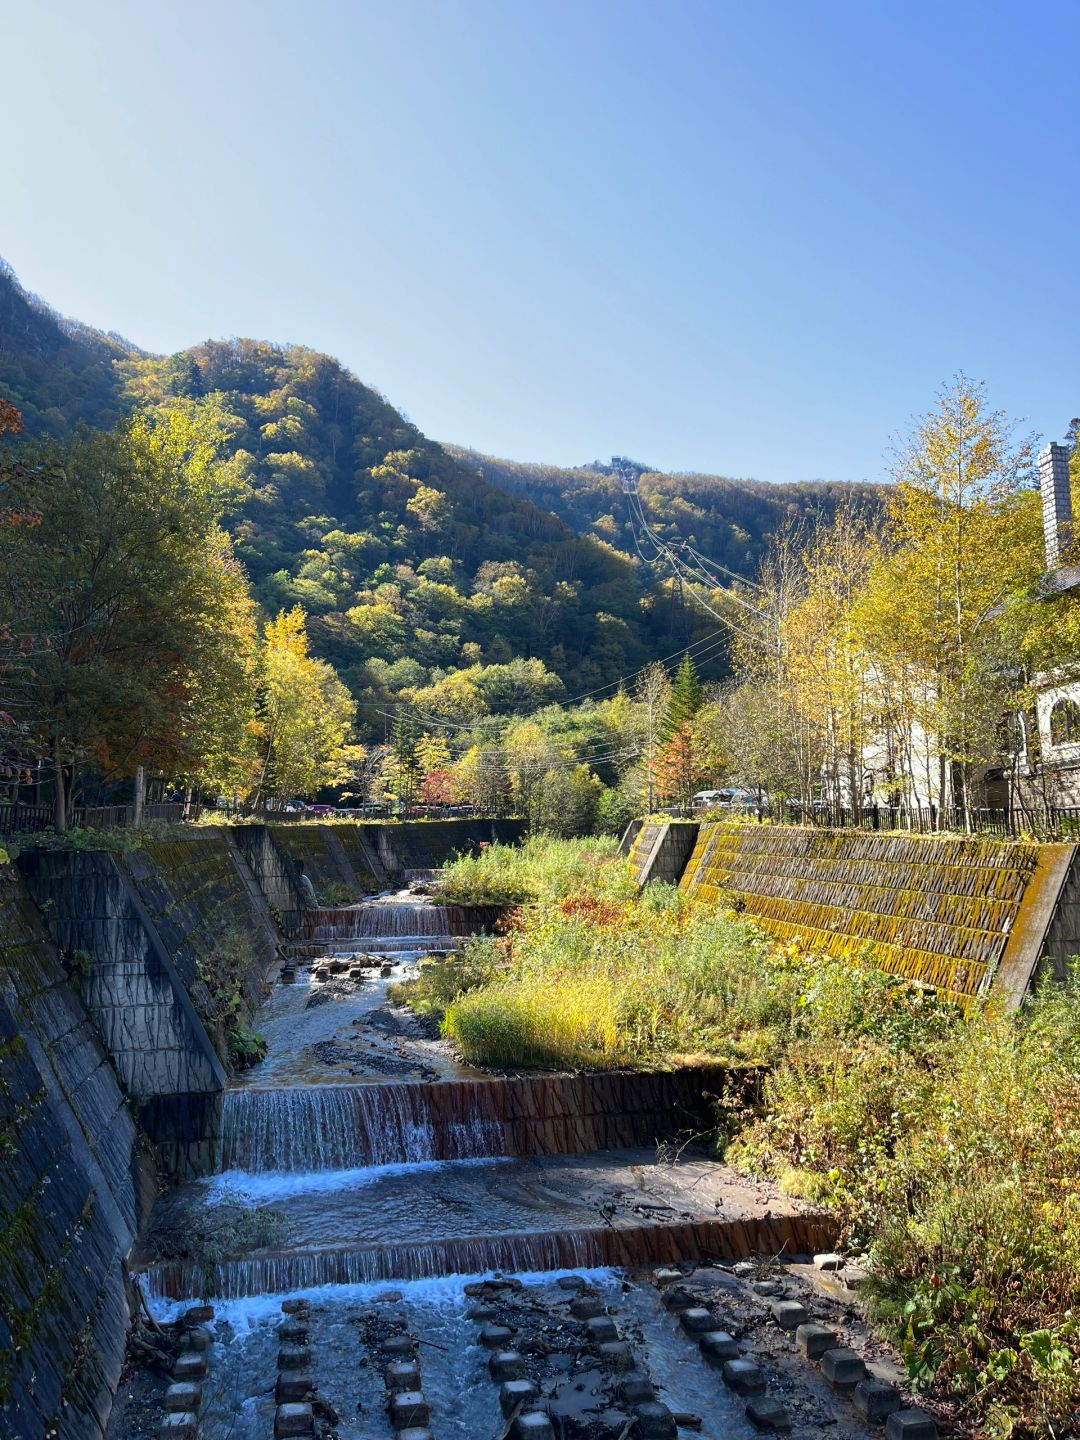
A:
(731, 521)
(463, 585)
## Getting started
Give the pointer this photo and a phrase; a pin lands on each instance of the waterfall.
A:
(345, 1127)
(377, 918)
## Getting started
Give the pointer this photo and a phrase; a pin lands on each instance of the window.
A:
(1065, 723)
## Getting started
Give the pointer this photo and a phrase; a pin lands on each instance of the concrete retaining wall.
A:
(961, 913)
(72, 1191)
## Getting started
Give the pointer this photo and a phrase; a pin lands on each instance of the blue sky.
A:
(751, 238)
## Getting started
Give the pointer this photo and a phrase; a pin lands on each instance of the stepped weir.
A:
(359, 1152)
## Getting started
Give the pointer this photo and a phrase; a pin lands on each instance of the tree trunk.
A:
(140, 796)
(59, 796)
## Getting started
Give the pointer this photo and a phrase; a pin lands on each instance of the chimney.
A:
(1056, 501)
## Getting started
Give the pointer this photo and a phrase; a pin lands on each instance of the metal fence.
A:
(1061, 822)
(30, 819)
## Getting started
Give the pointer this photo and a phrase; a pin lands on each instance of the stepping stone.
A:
(616, 1355)
(403, 1375)
(632, 1389)
(768, 1287)
(294, 1307)
(293, 1331)
(197, 1315)
(842, 1368)
(697, 1320)
(585, 1307)
(293, 1385)
(492, 1337)
(293, 1420)
(180, 1425)
(744, 1269)
(667, 1276)
(185, 1396)
(829, 1260)
(515, 1393)
(744, 1377)
(854, 1276)
(481, 1312)
(601, 1328)
(533, 1425)
(190, 1365)
(506, 1365)
(571, 1282)
(813, 1340)
(293, 1357)
(718, 1346)
(678, 1299)
(416, 1432)
(766, 1414)
(910, 1425)
(655, 1421)
(788, 1314)
(408, 1408)
(388, 1297)
(199, 1338)
(398, 1345)
(876, 1399)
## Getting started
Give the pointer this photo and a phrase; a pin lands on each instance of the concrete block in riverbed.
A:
(388, 1297)
(398, 1345)
(744, 1377)
(768, 1287)
(667, 1276)
(533, 1425)
(876, 1399)
(198, 1315)
(788, 1314)
(416, 1432)
(572, 1282)
(180, 1425)
(293, 1385)
(294, 1307)
(515, 1393)
(190, 1365)
(199, 1338)
(718, 1346)
(408, 1408)
(506, 1365)
(186, 1395)
(696, 1320)
(813, 1340)
(294, 1332)
(601, 1328)
(655, 1421)
(403, 1375)
(632, 1389)
(842, 1368)
(294, 1357)
(585, 1307)
(829, 1261)
(677, 1299)
(616, 1355)
(767, 1414)
(292, 1420)
(481, 1312)
(854, 1276)
(493, 1337)
(910, 1425)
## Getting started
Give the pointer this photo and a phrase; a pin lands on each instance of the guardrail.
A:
(32, 819)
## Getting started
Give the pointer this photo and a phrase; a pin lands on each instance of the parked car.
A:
(322, 809)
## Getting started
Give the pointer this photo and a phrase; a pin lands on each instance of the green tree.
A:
(307, 715)
(685, 700)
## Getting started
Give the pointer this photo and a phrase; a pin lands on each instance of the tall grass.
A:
(543, 868)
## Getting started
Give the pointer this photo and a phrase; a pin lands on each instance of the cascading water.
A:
(382, 919)
(344, 1127)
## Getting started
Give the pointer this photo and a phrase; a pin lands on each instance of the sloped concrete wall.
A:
(72, 1190)
(142, 1009)
(950, 911)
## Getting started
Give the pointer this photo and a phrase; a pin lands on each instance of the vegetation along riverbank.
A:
(948, 1146)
